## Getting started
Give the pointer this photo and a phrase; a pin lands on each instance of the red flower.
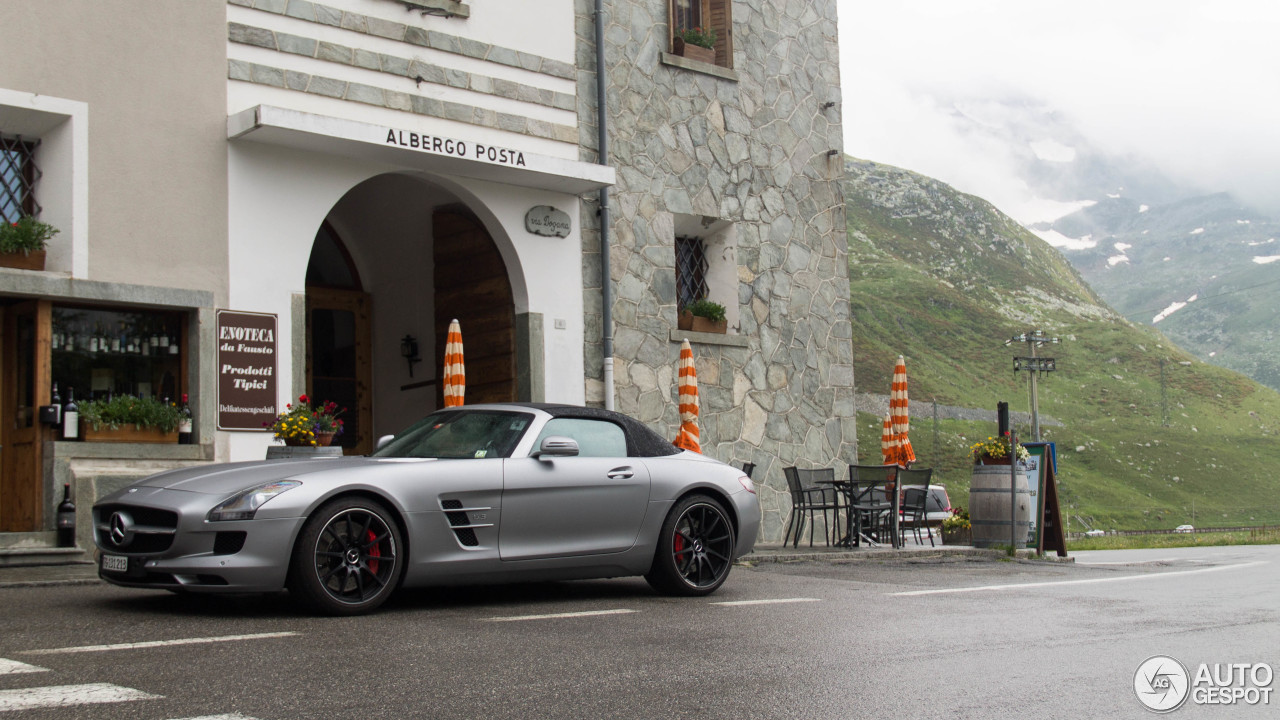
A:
(303, 398)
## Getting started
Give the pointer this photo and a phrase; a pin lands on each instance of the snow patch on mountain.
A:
(1173, 308)
(1058, 240)
(1266, 259)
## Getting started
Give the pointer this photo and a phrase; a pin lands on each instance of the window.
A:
(707, 262)
(691, 270)
(596, 438)
(706, 14)
(18, 176)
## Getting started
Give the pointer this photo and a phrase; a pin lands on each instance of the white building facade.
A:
(345, 177)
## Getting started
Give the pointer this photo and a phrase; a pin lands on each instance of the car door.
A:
(572, 506)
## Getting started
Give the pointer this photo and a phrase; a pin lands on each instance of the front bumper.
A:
(199, 556)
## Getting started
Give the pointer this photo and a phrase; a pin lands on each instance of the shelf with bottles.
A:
(103, 352)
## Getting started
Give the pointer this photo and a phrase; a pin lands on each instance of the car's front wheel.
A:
(695, 549)
(347, 558)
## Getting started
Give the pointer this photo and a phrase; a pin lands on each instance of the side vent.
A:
(461, 523)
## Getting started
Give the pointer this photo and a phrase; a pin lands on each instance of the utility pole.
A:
(1033, 365)
(1164, 398)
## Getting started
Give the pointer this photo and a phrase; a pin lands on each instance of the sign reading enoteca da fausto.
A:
(547, 221)
(246, 370)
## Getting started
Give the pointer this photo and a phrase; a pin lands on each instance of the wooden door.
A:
(24, 386)
(339, 361)
(471, 284)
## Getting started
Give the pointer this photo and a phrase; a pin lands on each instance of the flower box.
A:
(958, 536)
(33, 260)
(701, 324)
(127, 433)
(693, 52)
(684, 320)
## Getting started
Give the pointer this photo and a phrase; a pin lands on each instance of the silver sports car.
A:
(481, 493)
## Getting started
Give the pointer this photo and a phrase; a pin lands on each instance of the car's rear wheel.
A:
(347, 558)
(695, 549)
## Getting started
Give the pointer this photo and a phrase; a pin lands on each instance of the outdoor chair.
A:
(913, 513)
(871, 504)
(807, 496)
(916, 479)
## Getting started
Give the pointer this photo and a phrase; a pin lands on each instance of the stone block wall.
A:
(758, 145)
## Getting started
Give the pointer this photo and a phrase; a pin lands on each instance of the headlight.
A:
(245, 503)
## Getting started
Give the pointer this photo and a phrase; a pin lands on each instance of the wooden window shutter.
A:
(718, 17)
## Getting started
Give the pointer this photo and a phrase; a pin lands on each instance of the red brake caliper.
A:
(677, 547)
(374, 552)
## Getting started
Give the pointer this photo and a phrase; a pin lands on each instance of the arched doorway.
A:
(396, 258)
(472, 285)
(339, 339)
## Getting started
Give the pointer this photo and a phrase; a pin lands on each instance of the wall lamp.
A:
(409, 351)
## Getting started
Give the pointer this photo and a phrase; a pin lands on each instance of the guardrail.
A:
(1172, 531)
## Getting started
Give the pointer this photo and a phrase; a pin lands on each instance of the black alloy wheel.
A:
(346, 560)
(695, 548)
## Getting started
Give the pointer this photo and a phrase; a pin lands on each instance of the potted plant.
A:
(995, 451)
(704, 316)
(125, 418)
(695, 44)
(957, 530)
(302, 425)
(22, 243)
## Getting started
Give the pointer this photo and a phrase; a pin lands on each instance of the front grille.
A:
(152, 529)
(229, 543)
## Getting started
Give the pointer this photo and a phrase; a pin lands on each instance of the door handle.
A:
(621, 473)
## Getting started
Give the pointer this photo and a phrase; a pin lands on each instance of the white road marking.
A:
(13, 667)
(1125, 562)
(775, 601)
(1089, 581)
(232, 716)
(156, 643)
(553, 616)
(66, 695)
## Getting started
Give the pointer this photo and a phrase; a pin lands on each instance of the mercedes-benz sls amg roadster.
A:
(467, 495)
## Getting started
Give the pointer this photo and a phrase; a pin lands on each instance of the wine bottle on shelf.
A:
(56, 401)
(184, 423)
(66, 519)
(70, 417)
(173, 345)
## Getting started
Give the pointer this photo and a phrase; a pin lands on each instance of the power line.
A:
(1140, 313)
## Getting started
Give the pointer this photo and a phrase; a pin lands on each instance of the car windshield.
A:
(460, 434)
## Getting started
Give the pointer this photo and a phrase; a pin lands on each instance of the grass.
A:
(1269, 536)
(1150, 437)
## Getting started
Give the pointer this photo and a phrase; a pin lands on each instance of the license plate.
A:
(115, 563)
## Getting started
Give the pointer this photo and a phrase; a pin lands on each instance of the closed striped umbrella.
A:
(687, 437)
(898, 413)
(455, 374)
(889, 442)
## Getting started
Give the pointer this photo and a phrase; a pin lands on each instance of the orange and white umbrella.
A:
(889, 442)
(455, 375)
(687, 437)
(898, 414)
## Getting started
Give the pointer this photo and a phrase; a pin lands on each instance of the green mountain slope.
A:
(1150, 436)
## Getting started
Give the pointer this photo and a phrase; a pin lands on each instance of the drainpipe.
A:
(606, 291)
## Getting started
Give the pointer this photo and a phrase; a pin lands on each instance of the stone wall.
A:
(758, 145)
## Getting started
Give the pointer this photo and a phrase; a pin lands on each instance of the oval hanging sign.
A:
(547, 221)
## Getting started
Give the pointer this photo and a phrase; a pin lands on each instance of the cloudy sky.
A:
(1192, 85)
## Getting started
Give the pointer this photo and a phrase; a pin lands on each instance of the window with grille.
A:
(691, 270)
(18, 176)
(689, 14)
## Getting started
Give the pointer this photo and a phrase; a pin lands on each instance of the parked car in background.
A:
(1184, 529)
(1095, 533)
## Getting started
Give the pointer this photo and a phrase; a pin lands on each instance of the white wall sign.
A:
(547, 221)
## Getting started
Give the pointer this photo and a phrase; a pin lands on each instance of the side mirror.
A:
(557, 446)
(383, 441)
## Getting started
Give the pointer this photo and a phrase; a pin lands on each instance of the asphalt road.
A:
(953, 637)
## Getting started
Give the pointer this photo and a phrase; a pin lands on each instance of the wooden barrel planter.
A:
(989, 506)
